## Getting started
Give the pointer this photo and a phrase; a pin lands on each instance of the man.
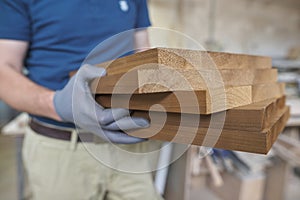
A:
(51, 39)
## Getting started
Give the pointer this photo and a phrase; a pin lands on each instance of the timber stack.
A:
(222, 100)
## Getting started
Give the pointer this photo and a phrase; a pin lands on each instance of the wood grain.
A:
(173, 80)
(240, 140)
(235, 96)
(186, 59)
(252, 117)
(207, 60)
(188, 85)
(197, 102)
(151, 80)
(261, 92)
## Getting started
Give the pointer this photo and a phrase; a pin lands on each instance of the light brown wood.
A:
(165, 70)
(262, 91)
(174, 80)
(258, 112)
(252, 117)
(199, 102)
(186, 59)
(235, 96)
(161, 79)
(156, 65)
(240, 140)
(154, 77)
(202, 59)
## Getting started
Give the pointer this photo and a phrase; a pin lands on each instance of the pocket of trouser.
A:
(55, 166)
(40, 162)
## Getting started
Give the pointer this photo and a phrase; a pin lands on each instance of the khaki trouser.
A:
(62, 170)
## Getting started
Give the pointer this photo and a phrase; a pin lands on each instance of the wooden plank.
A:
(240, 140)
(234, 96)
(186, 59)
(260, 112)
(127, 63)
(252, 117)
(204, 60)
(198, 102)
(161, 79)
(174, 80)
(272, 90)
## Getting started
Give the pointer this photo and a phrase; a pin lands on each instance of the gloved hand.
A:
(75, 103)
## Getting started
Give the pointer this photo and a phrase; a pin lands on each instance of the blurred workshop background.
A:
(262, 27)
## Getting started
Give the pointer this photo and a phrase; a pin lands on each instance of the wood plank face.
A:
(272, 134)
(125, 64)
(174, 80)
(240, 140)
(186, 59)
(189, 59)
(197, 102)
(234, 96)
(116, 84)
(151, 80)
(263, 91)
(252, 117)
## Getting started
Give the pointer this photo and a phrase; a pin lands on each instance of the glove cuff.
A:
(59, 105)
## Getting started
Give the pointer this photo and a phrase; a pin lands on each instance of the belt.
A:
(58, 133)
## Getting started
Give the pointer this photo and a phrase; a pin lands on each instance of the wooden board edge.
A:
(276, 129)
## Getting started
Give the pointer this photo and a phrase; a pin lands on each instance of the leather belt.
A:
(57, 133)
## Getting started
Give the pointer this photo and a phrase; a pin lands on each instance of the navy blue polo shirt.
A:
(61, 33)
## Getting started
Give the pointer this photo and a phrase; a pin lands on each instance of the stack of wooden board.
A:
(224, 100)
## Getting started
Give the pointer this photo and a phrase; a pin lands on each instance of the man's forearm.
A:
(24, 95)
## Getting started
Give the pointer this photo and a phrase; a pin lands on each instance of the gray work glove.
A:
(75, 103)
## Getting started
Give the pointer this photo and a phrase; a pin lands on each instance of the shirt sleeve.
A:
(143, 20)
(14, 20)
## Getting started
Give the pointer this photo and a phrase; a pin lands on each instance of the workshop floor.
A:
(8, 176)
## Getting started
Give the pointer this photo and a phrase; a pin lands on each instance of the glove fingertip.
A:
(91, 71)
(143, 123)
